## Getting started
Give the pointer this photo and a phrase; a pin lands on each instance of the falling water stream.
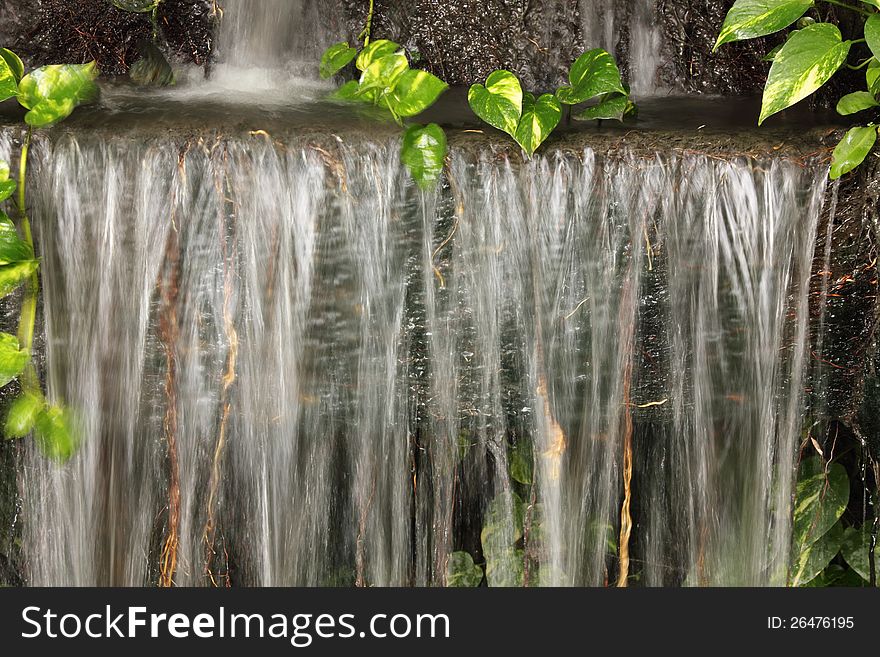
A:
(289, 366)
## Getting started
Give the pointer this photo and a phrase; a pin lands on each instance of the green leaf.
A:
(462, 571)
(348, 91)
(539, 118)
(12, 247)
(499, 101)
(835, 575)
(14, 63)
(51, 93)
(521, 462)
(13, 275)
(806, 62)
(614, 107)
(872, 33)
(820, 500)
(814, 557)
(8, 82)
(748, 19)
(415, 92)
(852, 150)
(22, 415)
(856, 550)
(505, 568)
(856, 102)
(152, 69)
(54, 435)
(7, 186)
(424, 153)
(336, 58)
(593, 74)
(376, 50)
(872, 76)
(12, 358)
(502, 523)
(136, 6)
(873, 3)
(383, 73)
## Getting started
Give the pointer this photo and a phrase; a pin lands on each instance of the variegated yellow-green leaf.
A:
(856, 549)
(856, 102)
(8, 83)
(822, 494)
(872, 33)
(348, 91)
(539, 118)
(376, 50)
(383, 73)
(748, 19)
(7, 186)
(415, 92)
(462, 571)
(51, 93)
(806, 62)
(593, 74)
(873, 3)
(12, 247)
(424, 153)
(614, 106)
(813, 558)
(14, 63)
(336, 58)
(54, 433)
(13, 275)
(12, 358)
(852, 150)
(22, 415)
(499, 101)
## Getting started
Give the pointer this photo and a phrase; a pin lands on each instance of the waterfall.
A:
(289, 366)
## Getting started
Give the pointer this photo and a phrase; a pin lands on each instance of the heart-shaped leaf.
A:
(12, 247)
(593, 74)
(821, 498)
(22, 415)
(12, 358)
(814, 557)
(7, 186)
(54, 434)
(136, 6)
(383, 73)
(856, 102)
(748, 19)
(14, 63)
(499, 101)
(415, 92)
(51, 93)
(872, 76)
(424, 153)
(376, 50)
(8, 83)
(806, 62)
(539, 118)
(336, 58)
(856, 549)
(872, 33)
(614, 106)
(13, 275)
(852, 150)
(462, 571)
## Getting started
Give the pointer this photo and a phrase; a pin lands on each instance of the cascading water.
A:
(291, 367)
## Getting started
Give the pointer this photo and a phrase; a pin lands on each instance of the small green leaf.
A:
(153, 69)
(856, 549)
(12, 358)
(136, 6)
(14, 63)
(348, 91)
(820, 499)
(852, 150)
(521, 462)
(336, 58)
(505, 568)
(856, 102)
(376, 50)
(462, 571)
(383, 73)
(872, 33)
(614, 107)
(502, 523)
(748, 19)
(22, 415)
(51, 93)
(499, 102)
(54, 434)
(7, 186)
(806, 62)
(593, 74)
(12, 247)
(424, 153)
(415, 92)
(872, 76)
(8, 82)
(13, 275)
(814, 557)
(539, 118)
